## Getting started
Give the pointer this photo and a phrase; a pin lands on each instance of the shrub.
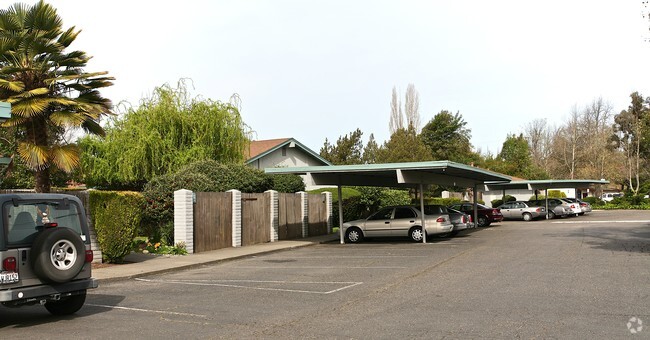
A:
(551, 194)
(439, 201)
(231, 176)
(594, 201)
(346, 191)
(116, 217)
(287, 183)
(159, 197)
(507, 198)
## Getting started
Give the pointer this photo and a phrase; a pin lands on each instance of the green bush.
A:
(287, 183)
(346, 191)
(507, 198)
(594, 201)
(231, 176)
(116, 217)
(439, 201)
(551, 194)
(159, 201)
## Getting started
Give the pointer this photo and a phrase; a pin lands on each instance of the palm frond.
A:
(14, 121)
(67, 118)
(93, 127)
(29, 107)
(13, 86)
(65, 157)
(34, 156)
(68, 36)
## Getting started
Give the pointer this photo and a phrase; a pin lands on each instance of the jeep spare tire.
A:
(57, 254)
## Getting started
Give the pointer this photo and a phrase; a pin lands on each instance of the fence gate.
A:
(256, 219)
(317, 215)
(289, 220)
(212, 221)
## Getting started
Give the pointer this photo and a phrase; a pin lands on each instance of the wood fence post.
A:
(328, 209)
(184, 218)
(275, 213)
(304, 209)
(236, 217)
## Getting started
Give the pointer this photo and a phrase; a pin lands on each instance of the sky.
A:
(313, 70)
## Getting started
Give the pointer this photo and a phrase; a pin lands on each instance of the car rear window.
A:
(24, 219)
(435, 210)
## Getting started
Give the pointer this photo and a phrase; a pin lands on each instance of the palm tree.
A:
(49, 92)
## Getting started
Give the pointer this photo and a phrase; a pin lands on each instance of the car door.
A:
(378, 224)
(403, 219)
(507, 210)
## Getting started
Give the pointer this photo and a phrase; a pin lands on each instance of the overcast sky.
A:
(320, 69)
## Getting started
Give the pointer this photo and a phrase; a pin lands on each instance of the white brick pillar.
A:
(304, 208)
(236, 217)
(328, 209)
(275, 213)
(184, 218)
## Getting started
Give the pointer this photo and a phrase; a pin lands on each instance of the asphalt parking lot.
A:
(582, 277)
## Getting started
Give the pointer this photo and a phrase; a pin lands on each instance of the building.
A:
(283, 153)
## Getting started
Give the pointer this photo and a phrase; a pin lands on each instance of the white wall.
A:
(295, 157)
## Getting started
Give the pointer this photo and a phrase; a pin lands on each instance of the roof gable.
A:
(261, 148)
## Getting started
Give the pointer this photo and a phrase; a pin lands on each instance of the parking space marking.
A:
(313, 267)
(628, 221)
(344, 257)
(147, 310)
(216, 283)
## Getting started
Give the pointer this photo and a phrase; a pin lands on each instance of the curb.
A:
(200, 264)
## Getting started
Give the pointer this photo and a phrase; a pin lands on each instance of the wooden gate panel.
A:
(256, 219)
(317, 215)
(212, 221)
(289, 219)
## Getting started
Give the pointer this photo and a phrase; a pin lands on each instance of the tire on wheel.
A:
(66, 306)
(551, 215)
(416, 234)
(483, 221)
(57, 255)
(527, 217)
(354, 235)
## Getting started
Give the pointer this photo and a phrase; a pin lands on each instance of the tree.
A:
(48, 89)
(539, 136)
(370, 151)
(630, 126)
(515, 160)
(348, 149)
(404, 145)
(447, 137)
(568, 141)
(412, 107)
(168, 130)
(396, 121)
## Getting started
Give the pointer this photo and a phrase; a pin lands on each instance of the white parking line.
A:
(343, 257)
(313, 267)
(146, 310)
(215, 283)
(629, 221)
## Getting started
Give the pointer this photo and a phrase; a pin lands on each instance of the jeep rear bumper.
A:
(46, 292)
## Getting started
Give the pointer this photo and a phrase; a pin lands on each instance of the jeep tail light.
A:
(440, 219)
(51, 225)
(9, 264)
(89, 256)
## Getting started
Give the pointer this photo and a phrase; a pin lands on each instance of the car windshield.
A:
(434, 209)
(24, 219)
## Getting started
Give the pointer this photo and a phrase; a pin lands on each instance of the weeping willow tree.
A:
(49, 91)
(167, 130)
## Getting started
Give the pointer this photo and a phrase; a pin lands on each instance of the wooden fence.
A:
(256, 219)
(289, 216)
(212, 221)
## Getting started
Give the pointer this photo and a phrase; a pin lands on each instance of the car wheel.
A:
(527, 217)
(551, 215)
(67, 306)
(416, 234)
(483, 221)
(354, 235)
(57, 255)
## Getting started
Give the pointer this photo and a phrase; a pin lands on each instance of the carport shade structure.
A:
(543, 184)
(444, 173)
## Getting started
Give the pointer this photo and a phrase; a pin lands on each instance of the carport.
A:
(409, 175)
(537, 185)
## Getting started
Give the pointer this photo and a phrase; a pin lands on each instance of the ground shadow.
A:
(629, 240)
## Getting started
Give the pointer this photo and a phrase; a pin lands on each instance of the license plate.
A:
(9, 277)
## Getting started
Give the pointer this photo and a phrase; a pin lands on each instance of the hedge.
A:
(116, 217)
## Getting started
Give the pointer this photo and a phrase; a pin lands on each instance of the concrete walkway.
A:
(146, 264)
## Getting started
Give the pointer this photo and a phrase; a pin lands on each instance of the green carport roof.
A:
(444, 173)
(544, 184)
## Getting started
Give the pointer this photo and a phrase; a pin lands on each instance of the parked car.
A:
(397, 221)
(575, 207)
(556, 208)
(585, 207)
(522, 210)
(459, 219)
(609, 196)
(486, 216)
(44, 252)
